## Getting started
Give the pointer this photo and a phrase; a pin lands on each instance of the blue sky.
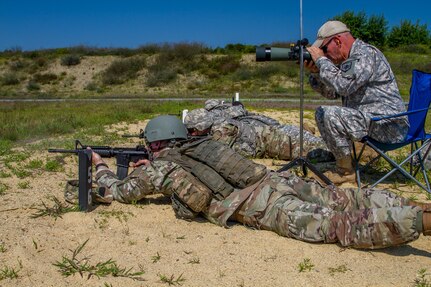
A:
(41, 24)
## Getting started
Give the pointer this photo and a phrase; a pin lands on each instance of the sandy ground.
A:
(147, 237)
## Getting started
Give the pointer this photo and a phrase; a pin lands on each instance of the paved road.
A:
(292, 100)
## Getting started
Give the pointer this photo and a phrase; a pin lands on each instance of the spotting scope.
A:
(264, 54)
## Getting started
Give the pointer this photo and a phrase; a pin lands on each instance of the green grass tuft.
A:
(56, 211)
(72, 265)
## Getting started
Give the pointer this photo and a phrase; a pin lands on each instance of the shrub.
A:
(414, 49)
(160, 77)
(182, 51)
(291, 70)
(33, 86)
(238, 48)
(9, 79)
(93, 87)
(40, 61)
(278, 89)
(264, 72)
(17, 65)
(243, 74)
(70, 60)
(225, 64)
(122, 70)
(45, 78)
(149, 49)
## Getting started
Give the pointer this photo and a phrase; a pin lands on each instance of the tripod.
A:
(302, 161)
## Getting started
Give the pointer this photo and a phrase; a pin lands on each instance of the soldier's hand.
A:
(95, 157)
(311, 66)
(316, 53)
(140, 162)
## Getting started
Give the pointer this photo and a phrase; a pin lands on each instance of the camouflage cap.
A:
(199, 119)
(211, 104)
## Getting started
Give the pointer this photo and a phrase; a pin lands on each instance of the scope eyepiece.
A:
(263, 54)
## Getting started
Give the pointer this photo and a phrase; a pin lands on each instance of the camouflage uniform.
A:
(314, 147)
(214, 104)
(259, 141)
(257, 136)
(220, 111)
(367, 86)
(287, 205)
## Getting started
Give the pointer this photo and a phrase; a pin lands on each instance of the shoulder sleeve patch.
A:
(348, 67)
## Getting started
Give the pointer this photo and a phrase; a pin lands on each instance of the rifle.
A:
(123, 157)
(140, 135)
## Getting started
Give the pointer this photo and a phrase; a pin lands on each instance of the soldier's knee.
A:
(319, 114)
(325, 113)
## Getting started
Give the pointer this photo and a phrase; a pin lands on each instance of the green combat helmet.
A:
(165, 128)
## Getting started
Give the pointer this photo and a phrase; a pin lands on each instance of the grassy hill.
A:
(178, 70)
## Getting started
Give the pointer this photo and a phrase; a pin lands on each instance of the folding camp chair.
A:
(417, 138)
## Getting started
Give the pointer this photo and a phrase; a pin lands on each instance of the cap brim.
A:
(318, 43)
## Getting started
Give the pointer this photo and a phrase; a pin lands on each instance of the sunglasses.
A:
(325, 48)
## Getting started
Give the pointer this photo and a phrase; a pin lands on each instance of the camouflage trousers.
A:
(294, 208)
(311, 142)
(313, 147)
(339, 126)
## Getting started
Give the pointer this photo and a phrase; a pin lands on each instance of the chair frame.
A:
(415, 152)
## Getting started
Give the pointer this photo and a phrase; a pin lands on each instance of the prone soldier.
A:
(256, 136)
(208, 178)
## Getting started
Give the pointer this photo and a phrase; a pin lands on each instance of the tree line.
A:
(374, 30)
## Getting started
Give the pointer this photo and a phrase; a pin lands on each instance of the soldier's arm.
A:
(325, 90)
(144, 180)
(352, 74)
(225, 133)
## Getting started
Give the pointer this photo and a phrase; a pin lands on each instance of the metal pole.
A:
(301, 161)
(301, 86)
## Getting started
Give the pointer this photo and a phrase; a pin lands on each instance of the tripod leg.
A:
(289, 165)
(304, 163)
(304, 167)
(317, 172)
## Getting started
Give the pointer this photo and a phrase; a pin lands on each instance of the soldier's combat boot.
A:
(425, 206)
(426, 221)
(98, 194)
(102, 195)
(367, 155)
(320, 155)
(344, 171)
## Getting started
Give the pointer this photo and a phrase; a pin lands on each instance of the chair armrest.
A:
(376, 119)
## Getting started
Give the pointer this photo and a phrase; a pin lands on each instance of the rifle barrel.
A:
(104, 152)
(63, 150)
